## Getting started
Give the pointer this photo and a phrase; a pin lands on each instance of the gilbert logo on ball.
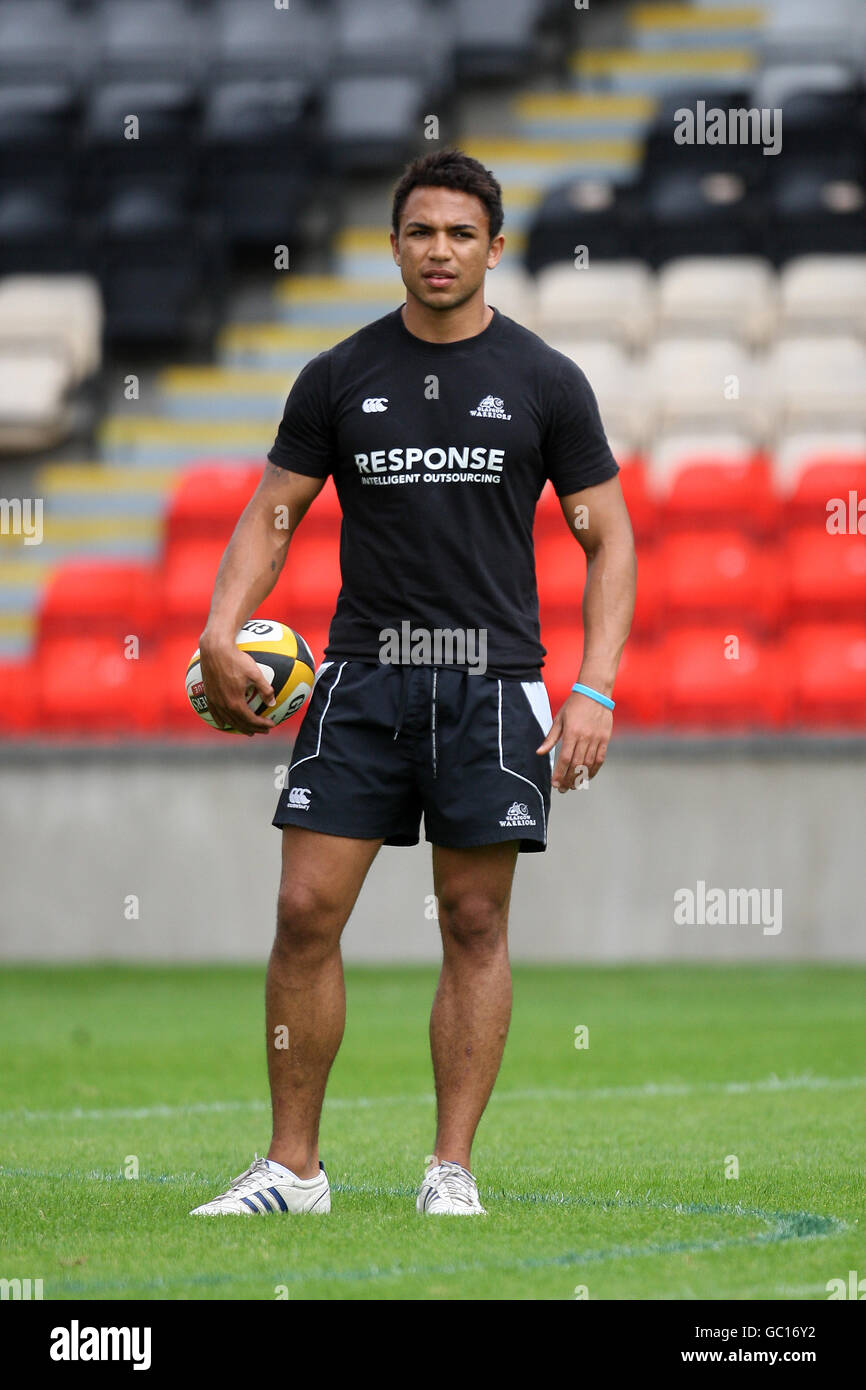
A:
(283, 657)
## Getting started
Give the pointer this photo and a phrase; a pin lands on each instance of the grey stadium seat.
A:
(156, 39)
(393, 35)
(42, 39)
(258, 39)
(494, 40)
(371, 121)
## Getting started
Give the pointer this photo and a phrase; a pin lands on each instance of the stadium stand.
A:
(714, 294)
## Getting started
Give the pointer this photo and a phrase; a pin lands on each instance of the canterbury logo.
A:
(373, 404)
(300, 796)
(491, 408)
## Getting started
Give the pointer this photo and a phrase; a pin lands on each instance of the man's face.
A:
(444, 246)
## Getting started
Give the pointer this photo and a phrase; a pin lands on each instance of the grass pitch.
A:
(602, 1167)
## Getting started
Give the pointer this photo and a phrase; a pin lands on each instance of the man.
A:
(440, 422)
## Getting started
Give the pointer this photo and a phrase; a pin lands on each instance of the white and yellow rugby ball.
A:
(284, 658)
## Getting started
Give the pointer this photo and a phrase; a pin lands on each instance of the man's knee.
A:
(310, 918)
(474, 921)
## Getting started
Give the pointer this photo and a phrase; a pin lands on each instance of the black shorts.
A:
(381, 744)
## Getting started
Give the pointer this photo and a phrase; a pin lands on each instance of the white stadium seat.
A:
(709, 383)
(34, 413)
(512, 290)
(776, 84)
(672, 452)
(794, 451)
(734, 296)
(820, 380)
(609, 299)
(44, 310)
(823, 293)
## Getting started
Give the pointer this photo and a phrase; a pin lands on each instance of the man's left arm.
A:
(599, 520)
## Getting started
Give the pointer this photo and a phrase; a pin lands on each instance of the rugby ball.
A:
(284, 658)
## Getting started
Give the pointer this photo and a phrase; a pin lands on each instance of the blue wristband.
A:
(594, 695)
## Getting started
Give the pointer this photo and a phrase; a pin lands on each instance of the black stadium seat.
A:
(259, 157)
(256, 40)
(391, 36)
(164, 149)
(155, 39)
(604, 217)
(817, 209)
(43, 40)
(663, 154)
(38, 232)
(37, 135)
(494, 41)
(371, 121)
(159, 268)
(703, 214)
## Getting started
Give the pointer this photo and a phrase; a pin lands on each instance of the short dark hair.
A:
(450, 169)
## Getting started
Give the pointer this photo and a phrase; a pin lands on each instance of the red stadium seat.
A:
(649, 598)
(324, 514)
(826, 575)
(642, 506)
(639, 683)
(723, 494)
(307, 589)
(720, 574)
(548, 513)
(561, 568)
(100, 598)
(713, 683)
(20, 711)
(827, 674)
(188, 573)
(207, 501)
(88, 685)
(826, 482)
(640, 686)
(175, 714)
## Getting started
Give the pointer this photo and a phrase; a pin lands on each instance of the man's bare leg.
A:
(472, 1008)
(305, 992)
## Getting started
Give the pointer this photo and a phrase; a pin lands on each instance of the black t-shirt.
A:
(439, 452)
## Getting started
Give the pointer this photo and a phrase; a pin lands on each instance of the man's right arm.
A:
(249, 569)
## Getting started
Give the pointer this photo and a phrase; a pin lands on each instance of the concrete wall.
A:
(187, 831)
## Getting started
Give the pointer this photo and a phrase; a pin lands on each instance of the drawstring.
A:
(404, 691)
(433, 719)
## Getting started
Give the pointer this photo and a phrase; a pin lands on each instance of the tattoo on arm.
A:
(273, 565)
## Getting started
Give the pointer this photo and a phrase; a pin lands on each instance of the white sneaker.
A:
(265, 1189)
(449, 1190)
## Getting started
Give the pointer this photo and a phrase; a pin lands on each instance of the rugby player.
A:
(440, 423)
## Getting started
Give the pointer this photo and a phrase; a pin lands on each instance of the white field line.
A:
(648, 1091)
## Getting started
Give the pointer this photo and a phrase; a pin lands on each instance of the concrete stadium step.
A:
(582, 115)
(687, 26)
(97, 490)
(221, 393)
(650, 74)
(539, 163)
(152, 441)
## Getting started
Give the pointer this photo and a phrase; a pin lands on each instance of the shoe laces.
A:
(256, 1170)
(454, 1181)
